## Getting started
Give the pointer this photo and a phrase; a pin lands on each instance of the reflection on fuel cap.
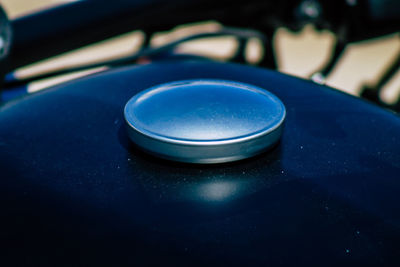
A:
(204, 121)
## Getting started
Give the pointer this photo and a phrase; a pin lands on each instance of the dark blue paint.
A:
(74, 190)
(7, 95)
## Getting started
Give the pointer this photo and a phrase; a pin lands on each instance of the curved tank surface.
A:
(74, 189)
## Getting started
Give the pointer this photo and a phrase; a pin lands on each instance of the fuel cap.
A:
(204, 121)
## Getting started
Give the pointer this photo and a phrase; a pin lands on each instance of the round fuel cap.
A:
(204, 121)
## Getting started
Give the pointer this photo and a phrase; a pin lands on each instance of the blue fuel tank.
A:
(75, 190)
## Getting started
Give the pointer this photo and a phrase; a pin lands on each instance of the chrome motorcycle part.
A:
(204, 121)
(5, 42)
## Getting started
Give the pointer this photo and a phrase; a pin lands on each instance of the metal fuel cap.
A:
(204, 121)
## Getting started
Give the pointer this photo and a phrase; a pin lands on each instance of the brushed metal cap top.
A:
(204, 121)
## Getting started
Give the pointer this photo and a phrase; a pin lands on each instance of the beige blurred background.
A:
(299, 54)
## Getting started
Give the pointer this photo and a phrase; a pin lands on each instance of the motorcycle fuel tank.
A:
(74, 188)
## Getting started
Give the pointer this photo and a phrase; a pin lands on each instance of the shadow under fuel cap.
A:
(204, 121)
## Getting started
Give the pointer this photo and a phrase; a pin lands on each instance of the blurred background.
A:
(302, 53)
